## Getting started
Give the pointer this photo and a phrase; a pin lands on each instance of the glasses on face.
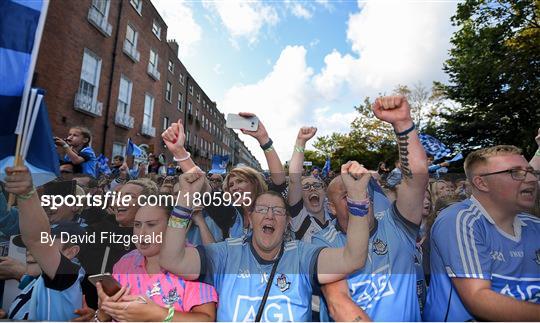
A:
(517, 173)
(276, 210)
(215, 180)
(315, 185)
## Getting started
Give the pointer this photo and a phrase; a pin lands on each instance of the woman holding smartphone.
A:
(149, 292)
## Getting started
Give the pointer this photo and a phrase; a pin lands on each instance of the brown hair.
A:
(481, 156)
(250, 175)
(86, 133)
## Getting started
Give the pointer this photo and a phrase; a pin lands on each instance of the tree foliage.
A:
(494, 74)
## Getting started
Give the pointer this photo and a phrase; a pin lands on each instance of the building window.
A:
(181, 78)
(148, 110)
(118, 149)
(191, 89)
(170, 66)
(180, 99)
(198, 97)
(196, 113)
(124, 95)
(154, 58)
(168, 92)
(137, 4)
(97, 16)
(165, 123)
(89, 83)
(189, 108)
(188, 136)
(156, 29)
(130, 43)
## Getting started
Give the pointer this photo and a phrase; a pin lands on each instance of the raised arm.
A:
(174, 255)
(296, 165)
(410, 193)
(33, 220)
(174, 138)
(340, 305)
(335, 263)
(535, 161)
(277, 174)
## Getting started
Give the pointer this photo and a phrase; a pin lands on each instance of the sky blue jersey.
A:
(194, 233)
(386, 288)
(466, 243)
(240, 275)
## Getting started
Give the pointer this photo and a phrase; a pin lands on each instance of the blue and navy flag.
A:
(103, 165)
(19, 42)
(326, 168)
(219, 164)
(132, 149)
(434, 147)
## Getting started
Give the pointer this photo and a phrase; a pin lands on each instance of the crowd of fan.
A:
(422, 246)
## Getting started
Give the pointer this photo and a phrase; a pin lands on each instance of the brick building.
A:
(107, 65)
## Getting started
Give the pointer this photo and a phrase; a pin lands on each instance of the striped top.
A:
(165, 289)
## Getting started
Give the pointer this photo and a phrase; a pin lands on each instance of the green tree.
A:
(494, 74)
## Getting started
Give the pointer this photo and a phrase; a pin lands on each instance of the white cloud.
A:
(217, 69)
(328, 122)
(314, 42)
(279, 100)
(178, 16)
(394, 42)
(243, 19)
(300, 11)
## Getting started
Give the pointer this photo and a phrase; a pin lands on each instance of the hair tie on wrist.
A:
(188, 156)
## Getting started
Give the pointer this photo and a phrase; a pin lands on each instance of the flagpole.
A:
(26, 91)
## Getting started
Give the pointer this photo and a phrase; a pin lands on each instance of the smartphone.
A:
(110, 285)
(235, 121)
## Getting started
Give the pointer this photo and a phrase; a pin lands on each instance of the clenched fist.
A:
(175, 138)
(393, 109)
(305, 134)
(355, 178)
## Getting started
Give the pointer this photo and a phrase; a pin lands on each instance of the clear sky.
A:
(296, 63)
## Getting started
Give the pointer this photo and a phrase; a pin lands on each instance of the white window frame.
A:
(190, 107)
(180, 99)
(148, 117)
(168, 91)
(156, 56)
(170, 66)
(137, 5)
(165, 123)
(127, 108)
(156, 29)
(97, 74)
(191, 89)
(118, 149)
(181, 78)
(199, 97)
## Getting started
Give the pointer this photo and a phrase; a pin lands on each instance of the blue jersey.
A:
(240, 277)
(89, 166)
(386, 288)
(194, 233)
(466, 243)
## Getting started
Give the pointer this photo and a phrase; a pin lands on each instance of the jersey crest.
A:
(380, 247)
(282, 283)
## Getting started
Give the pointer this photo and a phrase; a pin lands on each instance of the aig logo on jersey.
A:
(277, 309)
(282, 283)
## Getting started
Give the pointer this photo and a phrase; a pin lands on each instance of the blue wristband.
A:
(180, 212)
(358, 212)
(406, 132)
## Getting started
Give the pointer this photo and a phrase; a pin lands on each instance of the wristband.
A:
(537, 152)
(181, 213)
(96, 317)
(169, 315)
(188, 156)
(358, 208)
(178, 223)
(299, 149)
(27, 196)
(66, 146)
(406, 132)
(269, 149)
(267, 145)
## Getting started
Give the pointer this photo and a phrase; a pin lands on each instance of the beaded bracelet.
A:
(27, 196)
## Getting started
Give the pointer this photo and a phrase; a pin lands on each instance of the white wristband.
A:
(183, 158)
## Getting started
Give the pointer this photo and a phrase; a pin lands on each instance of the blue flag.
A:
(219, 164)
(132, 149)
(326, 168)
(434, 147)
(103, 165)
(20, 29)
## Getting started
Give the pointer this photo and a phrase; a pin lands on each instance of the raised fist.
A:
(306, 133)
(355, 178)
(192, 181)
(175, 138)
(18, 180)
(393, 109)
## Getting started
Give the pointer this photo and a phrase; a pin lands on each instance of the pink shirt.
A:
(165, 288)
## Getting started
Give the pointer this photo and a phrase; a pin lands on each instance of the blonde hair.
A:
(481, 156)
(148, 187)
(250, 175)
(86, 133)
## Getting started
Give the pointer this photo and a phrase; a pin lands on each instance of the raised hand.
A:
(260, 134)
(393, 109)
(305, 134)
(175, 138)
(192, 181)
(355, 178)
(18, 180)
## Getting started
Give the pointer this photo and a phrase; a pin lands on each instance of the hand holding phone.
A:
(236, 121)
(110, 285)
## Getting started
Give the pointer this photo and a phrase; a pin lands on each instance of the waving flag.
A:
(23, 109)
(326, 168)
(132, 149)
(103, 165)
(434, 147)
(219, 164)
